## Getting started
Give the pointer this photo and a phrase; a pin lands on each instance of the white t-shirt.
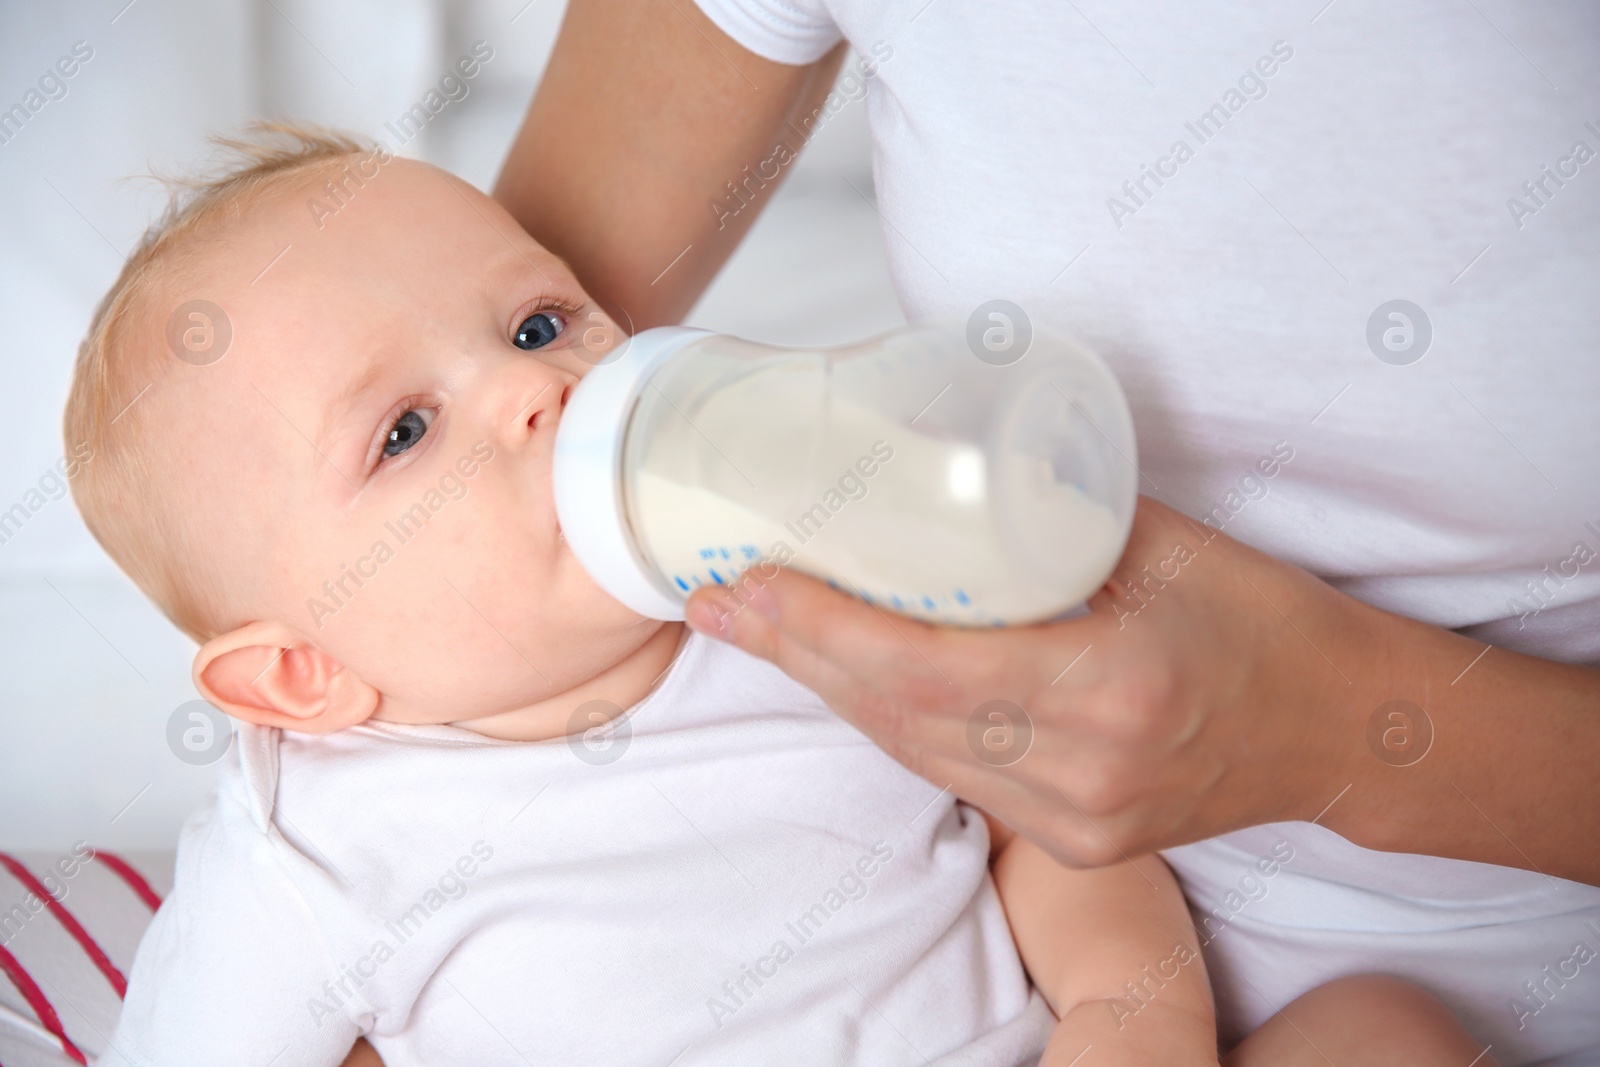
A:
(1221, 198)
(724, 871)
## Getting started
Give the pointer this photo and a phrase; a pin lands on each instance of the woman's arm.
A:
(1114, 952)
(1240, 690)
(645, 114)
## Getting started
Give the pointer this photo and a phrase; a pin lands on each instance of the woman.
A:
(1344, 265)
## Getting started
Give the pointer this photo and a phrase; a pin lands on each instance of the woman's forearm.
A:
(650, 147)
(1469, 751)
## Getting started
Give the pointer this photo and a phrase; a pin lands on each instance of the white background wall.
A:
(89, 672)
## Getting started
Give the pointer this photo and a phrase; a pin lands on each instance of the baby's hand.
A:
(362, 1055)
(1168, 1039)
(1114, 953)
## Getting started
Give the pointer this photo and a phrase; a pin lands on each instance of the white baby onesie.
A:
(727, 874)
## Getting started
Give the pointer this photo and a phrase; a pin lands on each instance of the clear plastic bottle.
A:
(903, 469)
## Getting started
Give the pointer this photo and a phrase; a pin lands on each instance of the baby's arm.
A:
(362, 1055)
(1114, 953)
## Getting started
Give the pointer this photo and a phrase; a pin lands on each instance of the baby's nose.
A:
(538, 412)
(541, 402)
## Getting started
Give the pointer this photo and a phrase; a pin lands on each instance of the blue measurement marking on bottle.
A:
(953, 605)
(738, 557)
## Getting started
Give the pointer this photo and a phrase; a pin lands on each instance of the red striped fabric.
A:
(39, 1003)
(134, 879)
(67, 920)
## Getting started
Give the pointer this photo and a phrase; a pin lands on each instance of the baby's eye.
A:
(407, 430)
(537, 330)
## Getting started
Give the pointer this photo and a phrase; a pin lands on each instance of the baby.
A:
(479, 812)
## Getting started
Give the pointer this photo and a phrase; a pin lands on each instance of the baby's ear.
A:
(269, 675)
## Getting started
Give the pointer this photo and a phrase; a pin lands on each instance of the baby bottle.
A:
(903, 470)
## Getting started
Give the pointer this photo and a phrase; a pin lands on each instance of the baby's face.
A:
(374, 449)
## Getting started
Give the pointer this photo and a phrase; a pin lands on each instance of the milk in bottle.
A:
(902, 470)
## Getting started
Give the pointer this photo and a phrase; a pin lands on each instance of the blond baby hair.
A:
(133, 513)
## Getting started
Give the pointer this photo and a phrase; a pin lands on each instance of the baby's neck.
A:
(623, 685)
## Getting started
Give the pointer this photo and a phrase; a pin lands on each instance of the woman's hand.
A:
(1138, 711)
(1210, 688)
